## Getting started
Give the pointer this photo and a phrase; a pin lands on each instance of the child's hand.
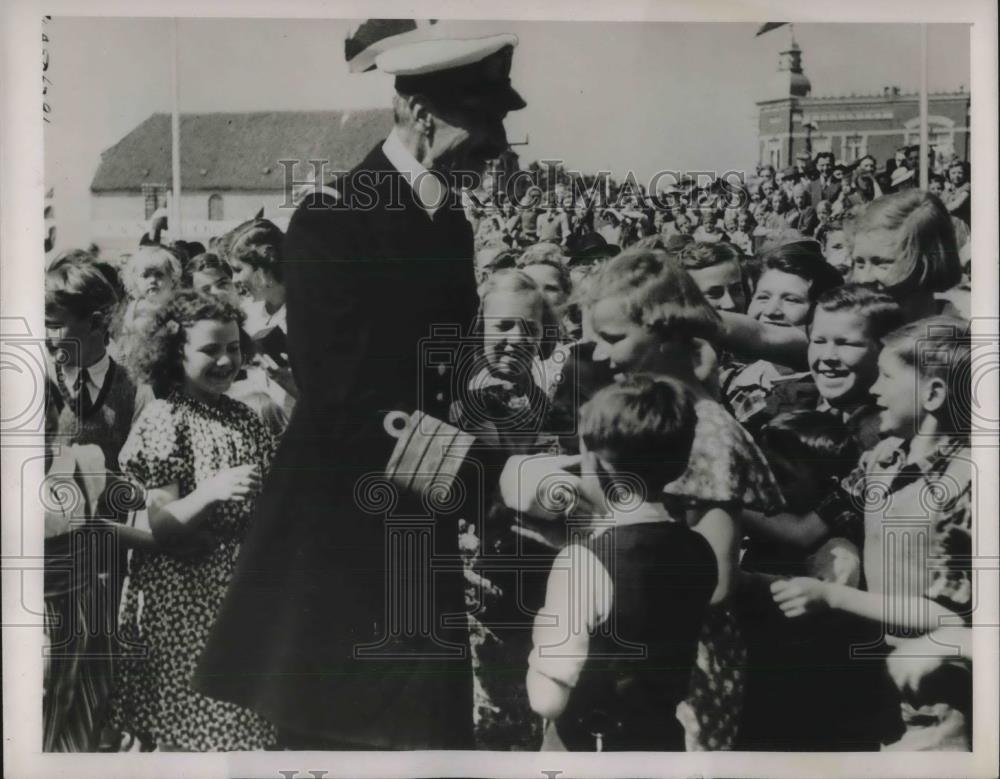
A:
(542, 487)
(232, 484)
(800, 596)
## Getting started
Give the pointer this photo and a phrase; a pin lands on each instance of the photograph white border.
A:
(21, 288)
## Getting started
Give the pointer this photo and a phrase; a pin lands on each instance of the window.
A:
(940, 132)
(215, 208)
(154, 196)
(854, 148)
(821, 143)
(774, 153)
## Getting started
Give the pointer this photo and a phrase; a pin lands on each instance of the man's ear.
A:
(420, 111)
(934, 394)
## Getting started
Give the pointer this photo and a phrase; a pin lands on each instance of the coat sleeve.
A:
(329, 325)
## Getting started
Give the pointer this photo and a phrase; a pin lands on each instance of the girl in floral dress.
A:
(200, 457)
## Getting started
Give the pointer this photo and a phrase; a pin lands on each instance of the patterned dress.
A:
(725, 469)
(171, 600)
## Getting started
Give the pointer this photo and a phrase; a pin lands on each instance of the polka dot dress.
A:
(171, 601)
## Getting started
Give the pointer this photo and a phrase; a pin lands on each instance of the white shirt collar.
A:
(279, 318)
(643, 513)
(430, 191)
(97, 373)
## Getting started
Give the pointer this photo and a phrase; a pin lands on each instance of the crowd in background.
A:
(744, 365)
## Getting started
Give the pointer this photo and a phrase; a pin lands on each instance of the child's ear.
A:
(704, 360)
(99, 321)
(934, 394)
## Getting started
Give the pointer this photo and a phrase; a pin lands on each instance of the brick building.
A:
(851, 126)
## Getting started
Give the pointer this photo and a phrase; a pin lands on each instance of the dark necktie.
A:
(82, 389)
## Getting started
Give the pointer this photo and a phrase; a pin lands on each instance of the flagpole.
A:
(792, 108)
(923, 108)
(175, 138)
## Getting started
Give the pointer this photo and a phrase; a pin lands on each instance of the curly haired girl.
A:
(200, 456)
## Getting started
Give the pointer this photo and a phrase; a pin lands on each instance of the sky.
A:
(624, 96)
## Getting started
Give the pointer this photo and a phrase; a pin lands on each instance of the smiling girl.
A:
(200, 457)
(906, 242)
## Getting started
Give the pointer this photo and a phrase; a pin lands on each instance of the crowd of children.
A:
(760, 411)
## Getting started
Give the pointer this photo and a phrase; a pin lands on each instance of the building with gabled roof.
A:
(232, 165)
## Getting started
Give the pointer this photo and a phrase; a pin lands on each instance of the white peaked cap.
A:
(437, 54)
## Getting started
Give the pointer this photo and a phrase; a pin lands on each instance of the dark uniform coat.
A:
(367, 279)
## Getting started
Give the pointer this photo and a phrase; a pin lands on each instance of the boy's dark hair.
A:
(82, 288)
(645, 426)
(880, 309)
(158, 352)
(206, 262)
(816, 440)
(699, 255)
(72, 255)
(940, 347)
(805, 260)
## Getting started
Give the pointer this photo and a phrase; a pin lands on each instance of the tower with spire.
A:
(792, 120)
(781, 107)
(790, 81)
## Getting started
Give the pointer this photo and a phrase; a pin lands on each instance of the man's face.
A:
(465, 137)
(913, 159)
(823, 166)
(867, 166)
(549, 281)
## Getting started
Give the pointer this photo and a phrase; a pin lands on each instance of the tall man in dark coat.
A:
(316, 633)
